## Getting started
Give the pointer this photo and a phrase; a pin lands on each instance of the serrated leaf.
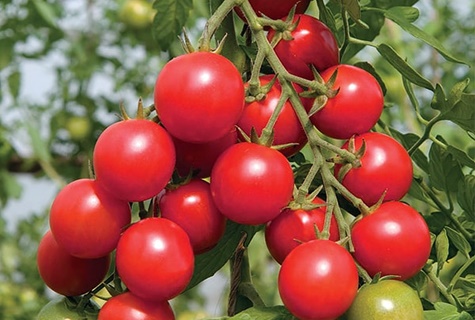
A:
(261, 313)
(208, 263)
(47, 12)
(466, 194)
(459, 241)
(443, 311)
(169, 20)
(370, 69)
(396, 14)
(439, 100)
(407, 71)
(444, 172)
(442, 249)
(463, 112)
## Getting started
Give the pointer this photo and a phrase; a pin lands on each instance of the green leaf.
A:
(169, 20)
(262, 313)
(370, 69)
(6, 53)
(353, 9)
(326, 16)
(444, 171)
(444, 311)
(463, 112)
(439, 100)
(388, 53)
(11, 188)
(408, 140)
(14, 83)
(410, 14)
(399, 14)
(442, 249)
(47, 12)
(459, 241)
(466, 195)
(208, 263)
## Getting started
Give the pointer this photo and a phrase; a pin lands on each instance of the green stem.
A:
(469, 263)
(214, 22)
(424, 136)
(440, 286)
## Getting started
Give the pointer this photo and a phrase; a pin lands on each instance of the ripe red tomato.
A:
(154, 259)
(199, 96)
(275, 9)
(393, 240)
(313, 43)
(86, 221)
(251, 183)
(200, 157)
(385, 166)
(191, 206)
(318, 280)
(287, 129)
(357, 106)
(127, 306)
(293, 227)
(134, 159)
(65, 274)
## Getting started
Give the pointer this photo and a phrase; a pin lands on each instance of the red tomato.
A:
(287, 129)
(65, 274)
(134, 159)
(275, 9)
(154, 259)
(200, 157)
(86, 221)
(385, 166)
(191, 206)
(357, 106)
(251, 183)
(126, 306)
(318, 280)
(393, 240)
(293, 227)
(199, 96)
(313, 43)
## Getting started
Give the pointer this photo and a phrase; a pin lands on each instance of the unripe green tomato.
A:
(388, 300)
(78, 127)
(61, 309)
(137, 14)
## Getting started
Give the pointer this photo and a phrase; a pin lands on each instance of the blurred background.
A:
(66, 66)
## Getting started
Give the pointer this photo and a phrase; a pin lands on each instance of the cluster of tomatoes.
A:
(200, 100)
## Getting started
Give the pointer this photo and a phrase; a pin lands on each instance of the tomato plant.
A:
(318, 266)
(64, 309)
(311, 43)
(191, 206)
(385, 168)
(251, 183)
(154, 259)
(86, 221)
(295, 226)
(356, 107)
(66, 274)
(392, 240)
(126, 306)
(386, 299)
(199, 97)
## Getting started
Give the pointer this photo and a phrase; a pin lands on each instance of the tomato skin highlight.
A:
(191, 206)
(293, 227)
(134, 159)
(385, 166)
(318, 280)
(65, 274)
(357, 106)
(199, 96)
(155, 259)
(251, 183)
(313, 43)
(126, 306)
(86, 221)
(392, 240)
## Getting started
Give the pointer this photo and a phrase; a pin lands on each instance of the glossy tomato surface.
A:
(287, 128)
(126, 306)
(388, 300)
(155, 259)
(199, 97)
(318, 280)
(385, 167)
(65, 274)
(134, 159)
(357, 106)
(191, 206)
(392, 240)
(251, 183)
(87, 221)
(313, 43)
(276, 9)
(293, 227)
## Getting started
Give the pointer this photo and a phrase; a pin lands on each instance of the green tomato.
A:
(63, 309)
(388, 300)
(78, 127)
(137, 14)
